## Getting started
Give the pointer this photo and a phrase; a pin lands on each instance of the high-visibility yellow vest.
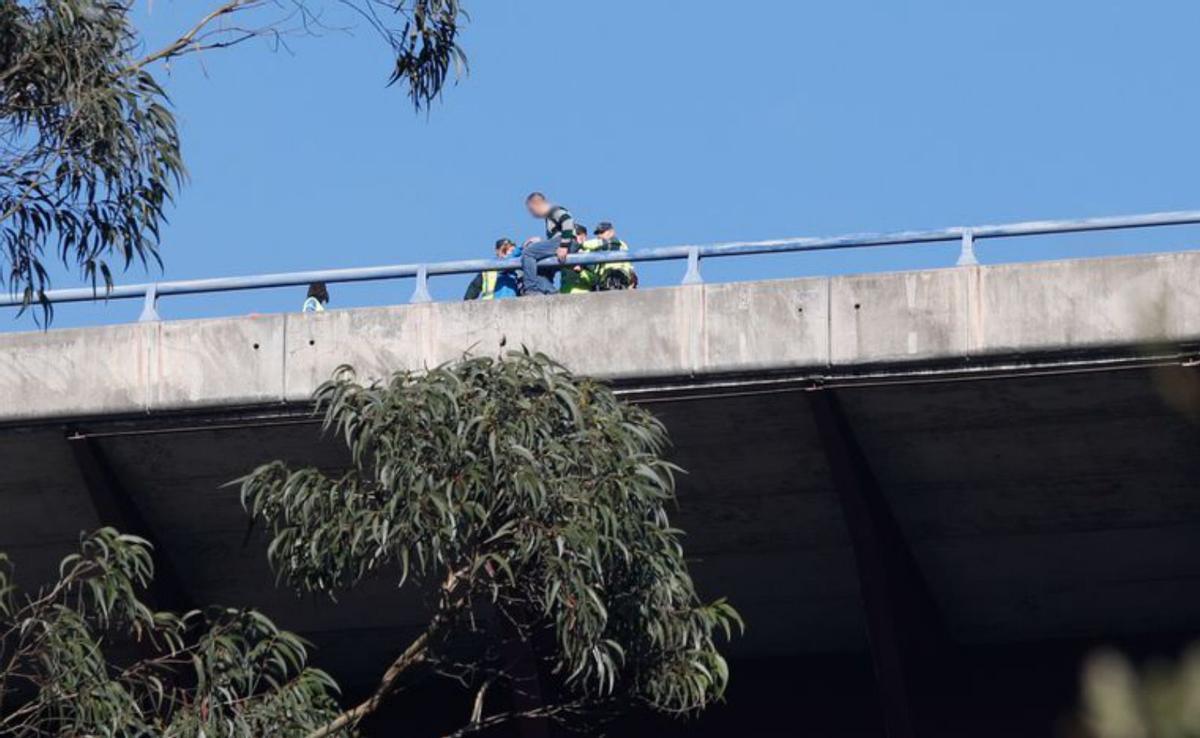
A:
(487, 289)
(572, 281)
(598, 244)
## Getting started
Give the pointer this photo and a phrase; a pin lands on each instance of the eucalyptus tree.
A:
(526, 507)
(530, 507)
(90, 151)
(86, 656)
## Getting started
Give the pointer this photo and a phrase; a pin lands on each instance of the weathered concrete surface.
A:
(756, 328)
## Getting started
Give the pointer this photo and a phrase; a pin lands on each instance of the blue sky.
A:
(683, 123)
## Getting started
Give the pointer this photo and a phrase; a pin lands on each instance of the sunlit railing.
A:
(151, 292)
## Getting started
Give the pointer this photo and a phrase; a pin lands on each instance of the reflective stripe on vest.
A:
(624, 267)
(487, 289)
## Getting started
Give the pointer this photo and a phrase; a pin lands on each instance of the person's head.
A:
(537, 204)
(580, 233)
(319, 291)
(504, 247)
(605, 230)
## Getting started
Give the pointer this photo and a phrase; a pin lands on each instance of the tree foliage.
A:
(529, 506)
(89, 152)
(89, 146)
(1161, 701)
(86, 656)
(425, 43)
(534, 504)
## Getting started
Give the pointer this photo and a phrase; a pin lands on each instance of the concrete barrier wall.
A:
(784, 326)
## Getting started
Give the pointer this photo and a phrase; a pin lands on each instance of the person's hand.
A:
(530, 240)
(561, 253)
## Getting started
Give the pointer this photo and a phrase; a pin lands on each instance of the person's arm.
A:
(475, 288)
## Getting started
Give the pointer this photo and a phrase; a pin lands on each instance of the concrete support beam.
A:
(908, 642)
(115, 508)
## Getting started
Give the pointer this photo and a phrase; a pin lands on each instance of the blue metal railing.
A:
(967, 236)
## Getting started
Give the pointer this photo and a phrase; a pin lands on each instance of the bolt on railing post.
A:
(421, 291)
(150, 306)
(692, 276)
(966, 255)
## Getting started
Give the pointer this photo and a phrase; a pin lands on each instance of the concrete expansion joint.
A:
(283, 359)
(829, 347)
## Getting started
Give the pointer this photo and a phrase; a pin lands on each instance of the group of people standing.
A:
(563, 237)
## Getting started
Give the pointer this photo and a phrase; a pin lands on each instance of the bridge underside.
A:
(1035, 507)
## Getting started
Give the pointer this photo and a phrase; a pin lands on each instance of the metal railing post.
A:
(966, 256)
(692, 275)
(150, 306)
(421, 291)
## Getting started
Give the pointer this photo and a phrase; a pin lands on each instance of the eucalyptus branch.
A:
(416, 653)
(477, 703)
(411, 656)
(546, 711)
(186, 43)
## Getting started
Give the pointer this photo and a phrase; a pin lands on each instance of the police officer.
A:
(575, 278)
(496, 284)
(615, 275)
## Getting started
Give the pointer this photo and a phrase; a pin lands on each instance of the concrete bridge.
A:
(978, 471)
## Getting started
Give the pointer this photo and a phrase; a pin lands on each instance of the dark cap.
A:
(603, 226)
(502, 242)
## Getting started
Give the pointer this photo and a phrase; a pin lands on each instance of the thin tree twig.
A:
(503, 717)
(181, 45)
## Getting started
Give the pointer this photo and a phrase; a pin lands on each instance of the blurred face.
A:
(610, 233)
(502, 252)
(538, 207)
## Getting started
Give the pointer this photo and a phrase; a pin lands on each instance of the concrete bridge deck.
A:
(819, 327)
(1031, 432)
